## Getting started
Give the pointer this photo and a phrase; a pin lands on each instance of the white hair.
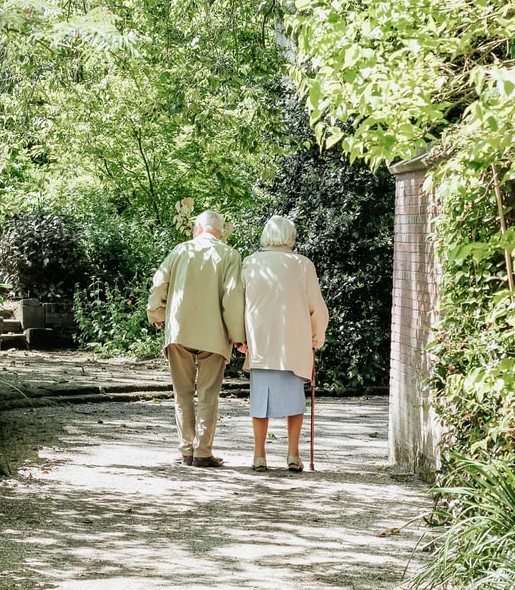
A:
(278, 231)
(210, 220)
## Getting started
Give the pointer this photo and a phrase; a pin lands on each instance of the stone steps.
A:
(30, 324)
(11, 326)
(18, 341)
(12, 335)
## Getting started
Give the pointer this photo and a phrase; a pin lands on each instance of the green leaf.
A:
(302, 5)
(315, 92)
(335, 136)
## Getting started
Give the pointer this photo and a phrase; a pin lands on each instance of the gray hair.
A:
(210, 220)
(278, 231)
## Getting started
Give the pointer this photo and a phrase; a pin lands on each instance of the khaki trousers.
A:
(196, 429)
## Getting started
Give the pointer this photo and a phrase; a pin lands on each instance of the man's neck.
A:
(213, 232)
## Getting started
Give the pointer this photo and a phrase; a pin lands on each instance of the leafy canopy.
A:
(148, 102)
(406, 73)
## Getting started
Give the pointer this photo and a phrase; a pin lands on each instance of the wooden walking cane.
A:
(312, 440)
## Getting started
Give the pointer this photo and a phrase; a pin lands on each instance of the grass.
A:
(476, 547)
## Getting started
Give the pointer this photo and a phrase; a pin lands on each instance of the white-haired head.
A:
(209, 221)
(278, 231)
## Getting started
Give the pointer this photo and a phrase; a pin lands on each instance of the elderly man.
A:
(197, 293)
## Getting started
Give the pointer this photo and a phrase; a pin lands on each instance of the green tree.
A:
(146, 103)
(404, 73)
(115, 112)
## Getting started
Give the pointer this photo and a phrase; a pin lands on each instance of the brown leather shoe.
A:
(207, 461)
(184, 459)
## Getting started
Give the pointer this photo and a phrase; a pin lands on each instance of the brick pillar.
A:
(413, 431)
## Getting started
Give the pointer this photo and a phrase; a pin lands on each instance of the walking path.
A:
(95, 501)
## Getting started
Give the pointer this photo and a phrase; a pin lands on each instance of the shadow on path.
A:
(103, 507)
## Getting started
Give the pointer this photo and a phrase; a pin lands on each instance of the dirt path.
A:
(99, 504)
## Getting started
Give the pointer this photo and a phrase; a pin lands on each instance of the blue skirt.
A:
(276, 394)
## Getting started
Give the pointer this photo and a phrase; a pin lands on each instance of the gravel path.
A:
(96, 503)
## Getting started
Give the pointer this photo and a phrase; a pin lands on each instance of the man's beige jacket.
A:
(197, 293)
(285, 315)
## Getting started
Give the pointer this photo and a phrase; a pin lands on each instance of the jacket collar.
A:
(277, 249)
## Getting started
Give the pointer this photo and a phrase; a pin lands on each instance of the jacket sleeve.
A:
(233, 302)
(156, 306)
(317, 308)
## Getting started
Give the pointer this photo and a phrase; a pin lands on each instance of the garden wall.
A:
(413, 435)
(28, 323)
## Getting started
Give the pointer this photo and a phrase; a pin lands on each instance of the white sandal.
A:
(259, 464)
(295, 464)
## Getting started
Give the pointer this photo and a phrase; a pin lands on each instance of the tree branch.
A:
(500, 208)
(151, 191)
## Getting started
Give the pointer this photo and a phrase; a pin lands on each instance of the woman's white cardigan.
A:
(285, 314)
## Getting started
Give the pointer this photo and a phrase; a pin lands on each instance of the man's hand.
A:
(241, 347)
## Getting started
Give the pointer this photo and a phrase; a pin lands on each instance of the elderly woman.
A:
(285, 319)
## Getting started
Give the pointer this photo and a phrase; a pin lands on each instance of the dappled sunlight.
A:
(109, 508)
(68, 370)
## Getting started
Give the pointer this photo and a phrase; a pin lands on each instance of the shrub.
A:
(119, 250)
(3, 288)
(114, 322)
(100, 261)
(40, 255)
(472, 373)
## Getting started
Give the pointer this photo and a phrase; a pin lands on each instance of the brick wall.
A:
(413, 435)
(59, 317)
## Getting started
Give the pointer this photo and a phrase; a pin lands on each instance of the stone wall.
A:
(59, 317)
(38, 325)
(413, 435)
